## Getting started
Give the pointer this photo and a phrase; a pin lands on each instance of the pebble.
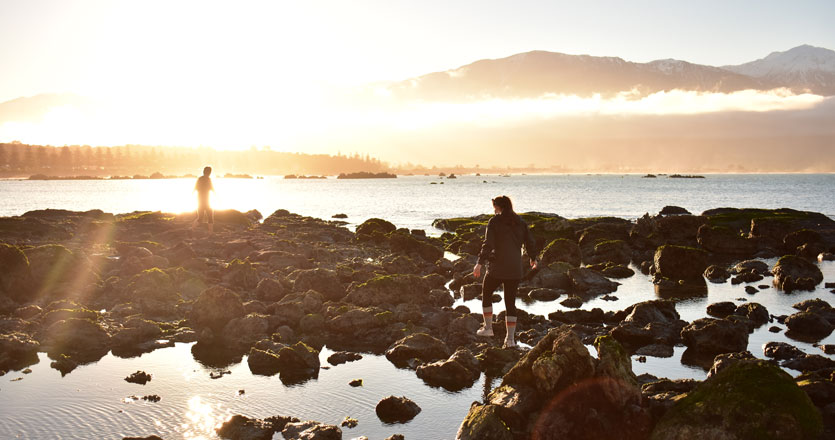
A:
(642, 359)
(355, 383)
(349, 422)
(774, 329)
(751, 290)
(764, 286)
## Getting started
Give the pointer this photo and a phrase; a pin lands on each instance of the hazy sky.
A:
(244, 73)
(95, 47)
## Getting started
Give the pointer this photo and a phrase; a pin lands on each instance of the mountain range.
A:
(803, 69)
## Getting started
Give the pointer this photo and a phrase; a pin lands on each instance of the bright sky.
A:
(250, 63)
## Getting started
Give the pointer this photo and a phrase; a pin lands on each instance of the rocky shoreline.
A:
(78, 285)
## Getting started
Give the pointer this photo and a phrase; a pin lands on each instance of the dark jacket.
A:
(502, 247)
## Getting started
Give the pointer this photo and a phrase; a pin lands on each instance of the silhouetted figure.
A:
(204, 211)
(502, 251)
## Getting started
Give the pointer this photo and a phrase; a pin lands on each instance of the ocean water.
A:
(414, 201)
(95, 402)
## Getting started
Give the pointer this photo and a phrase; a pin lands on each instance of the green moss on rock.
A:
(749, 399)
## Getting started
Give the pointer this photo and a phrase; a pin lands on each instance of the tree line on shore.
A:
(21, 160)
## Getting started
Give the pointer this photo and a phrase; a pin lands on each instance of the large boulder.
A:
(417, 346)
(561, 249)
(715, 336)
(809, 325)
(241, 274)
(323, 281)
(794, 273)
(557, 361)
(215, 307)
(263, 362)
(747, 400)
(680, 262)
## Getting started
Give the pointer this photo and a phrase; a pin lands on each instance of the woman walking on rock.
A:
(502, 251)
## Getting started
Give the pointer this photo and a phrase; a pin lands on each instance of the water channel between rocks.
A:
(94, 401)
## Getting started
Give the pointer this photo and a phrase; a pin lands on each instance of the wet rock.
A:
(16, 276)
(615, 364)
(263, 362)
(244, 428)
(755, 312)
(751, 290)
(17, 351)
(139, 377)
(150, 437)
(553, 276)
(57, 270)
(721, 309)
(245, 331)
(241, 274)
(725, 360)
(483, 422)
(781, 351)
(828, 348)
(591, 282)
(615, 251)
(321, 280)
(747, 266)
(497, 360)
(458, 372)
(428, 249)
(137, 332)
(215, 307)
(349, 422)
(680, 262)
(572, 302)
(561, 249)
(84, 340)
(746, 277)
(673, 210)
(809, 362)
(28, 312)
(396, 437)
(656, 350)
(545, 294)
(470, 291)
(390, 289)
(821, 392)
(735, 402)
(298, 362)
(650, 322)
(396, 409)
(809, 325)
(270, 290)
(794, 273)
(715, 336)
(724, 240)
(619, 271)
(556, 362)
(342, 357)
(417, 346)
(514, 404)
(355, 383)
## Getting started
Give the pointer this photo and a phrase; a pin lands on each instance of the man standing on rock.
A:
(502, 250)
(204, 211)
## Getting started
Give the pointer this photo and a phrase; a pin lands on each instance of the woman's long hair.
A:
(504, 203)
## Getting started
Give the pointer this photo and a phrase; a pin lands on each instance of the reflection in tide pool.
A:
(202, 418)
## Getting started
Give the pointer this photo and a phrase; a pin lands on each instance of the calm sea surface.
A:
(414, 201)
(94, 401)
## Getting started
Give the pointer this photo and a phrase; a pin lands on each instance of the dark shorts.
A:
(205, 214)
